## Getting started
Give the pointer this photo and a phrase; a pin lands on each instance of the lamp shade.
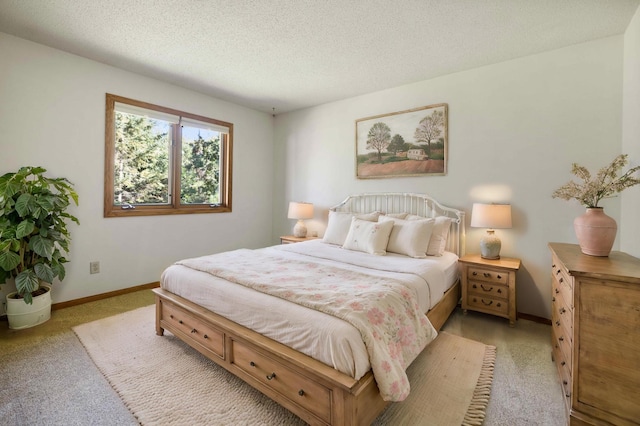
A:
(492, 216)
(299, 210)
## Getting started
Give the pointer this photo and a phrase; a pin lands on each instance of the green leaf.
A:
(24, 204)
(42, 246)
(26, 282)
(44, 272)
(58, 270)
(9, 260)
(25, 228)
(5, 245)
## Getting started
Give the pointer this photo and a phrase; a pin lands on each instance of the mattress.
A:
(320, 336)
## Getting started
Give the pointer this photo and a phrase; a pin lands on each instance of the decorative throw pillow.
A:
(439, 236)
(409, 237)
(396, 215)
(339, 224)
(369, 237)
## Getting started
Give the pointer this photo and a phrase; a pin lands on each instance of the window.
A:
(163, 161)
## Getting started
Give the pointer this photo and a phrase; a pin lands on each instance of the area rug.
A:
(163, 381)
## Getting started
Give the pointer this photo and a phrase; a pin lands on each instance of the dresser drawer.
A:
(295, 387)
(487, 275)
(563, 364)
(484, 289)
(488, 304)
(562, 288)
(174, 318)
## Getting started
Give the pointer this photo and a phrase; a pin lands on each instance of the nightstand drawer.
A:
(485, 303)
(487, 275)
(493, 290)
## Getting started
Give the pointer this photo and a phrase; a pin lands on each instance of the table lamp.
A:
(300, 211)
(490, 216)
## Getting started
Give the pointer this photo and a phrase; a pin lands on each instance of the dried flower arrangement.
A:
(605, 184)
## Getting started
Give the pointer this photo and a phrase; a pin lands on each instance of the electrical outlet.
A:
(94, 267)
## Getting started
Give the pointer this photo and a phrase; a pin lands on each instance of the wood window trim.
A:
(175, 207)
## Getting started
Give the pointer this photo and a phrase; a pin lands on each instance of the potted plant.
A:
(33, 237)
(596, 231)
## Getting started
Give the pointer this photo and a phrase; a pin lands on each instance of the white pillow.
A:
(339, 224)
(410, 238)
(438, 241)
(369, 237)
(396, 215)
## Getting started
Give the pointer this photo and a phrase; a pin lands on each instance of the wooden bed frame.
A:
(317, 393)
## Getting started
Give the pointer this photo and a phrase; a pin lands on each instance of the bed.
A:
(314, 364)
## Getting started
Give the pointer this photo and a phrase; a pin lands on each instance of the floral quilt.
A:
(384, 311)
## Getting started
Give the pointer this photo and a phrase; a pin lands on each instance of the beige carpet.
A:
(164, 382)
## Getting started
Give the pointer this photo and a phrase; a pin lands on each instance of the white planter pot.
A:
(22, 315)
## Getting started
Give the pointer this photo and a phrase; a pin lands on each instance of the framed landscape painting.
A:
(405, 143)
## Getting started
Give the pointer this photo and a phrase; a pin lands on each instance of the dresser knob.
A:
(561, 338)
(474, 273)
(562, 310)
(558, 323)
(561, 280)
(564, 382)
(553, 266)
(499, 277)
(499, 291)
(558, 271)
(180, 321)
(557, 291)
(251, 363)
(194, 331)
(301, 392)
(271, 376)
(205, 336)
(486, 274)
(563, 363)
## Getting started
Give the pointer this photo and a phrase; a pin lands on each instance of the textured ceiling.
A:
(291, 54)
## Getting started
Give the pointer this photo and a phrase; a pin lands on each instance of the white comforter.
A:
(302, 328)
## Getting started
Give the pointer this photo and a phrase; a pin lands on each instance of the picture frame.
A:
(413, 142)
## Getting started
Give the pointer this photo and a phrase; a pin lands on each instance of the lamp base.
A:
(300, 230)
(490, 246)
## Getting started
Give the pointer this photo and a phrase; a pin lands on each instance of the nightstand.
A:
(489, 286)
(290, 239)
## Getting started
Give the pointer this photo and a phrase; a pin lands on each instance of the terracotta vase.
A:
(595, 231)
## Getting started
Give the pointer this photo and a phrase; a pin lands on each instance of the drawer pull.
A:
(561, 338)
(482, 286)
(562, 310)
(253, 364)
(271, 376)
(561, 280)
(558, 323)
(488, 304)
(558, 271)
(486, 274)
(499, 276)
(474, 273)
(205, 336)
(568, 394)
(499, 291)
(564, 382)
(171, 316)
(301, 392)
(557, 291)
(553, 266)
(180, 321)
(193, 330)
(563, 363)
(553, 299)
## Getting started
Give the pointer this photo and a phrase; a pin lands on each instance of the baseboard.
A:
(101, 296)
(534, 318)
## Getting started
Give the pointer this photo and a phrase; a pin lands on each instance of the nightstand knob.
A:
(474, 273)
(561, 280)
(562, 310)
(486, 274)
(557, 291)
(558, 323)
(553, 266)
(499, 277)
(561, 338)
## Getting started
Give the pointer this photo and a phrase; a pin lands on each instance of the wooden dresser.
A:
(596, 334)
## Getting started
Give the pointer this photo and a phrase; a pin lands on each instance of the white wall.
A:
(514, 130)
(629, 239)
(52, 107)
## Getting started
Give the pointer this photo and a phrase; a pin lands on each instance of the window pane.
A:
(141, 167)
(200, 175)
